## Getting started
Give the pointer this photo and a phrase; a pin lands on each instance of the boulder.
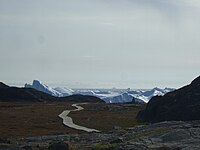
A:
(58, 146)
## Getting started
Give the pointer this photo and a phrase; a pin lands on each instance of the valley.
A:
(99, 75)
(37, 123)
(37, 119)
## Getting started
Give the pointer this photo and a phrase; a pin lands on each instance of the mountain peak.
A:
(156, 89)
(38, 85)
(37, 82)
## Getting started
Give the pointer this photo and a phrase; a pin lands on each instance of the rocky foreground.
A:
(172, 135)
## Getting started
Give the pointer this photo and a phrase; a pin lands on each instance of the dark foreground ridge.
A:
(182, 104)
(15, 94)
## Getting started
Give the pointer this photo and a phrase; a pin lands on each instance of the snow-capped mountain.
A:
(108, 95)
(122, 98)
(155, 91)
(140, 96)
(58, 92)
(64, 91)
(167, 90)
(43, 88)
(146, 95)
(85, 92)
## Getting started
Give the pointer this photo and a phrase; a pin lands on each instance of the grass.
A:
(32, 119)
(105, 117)
(36, 119)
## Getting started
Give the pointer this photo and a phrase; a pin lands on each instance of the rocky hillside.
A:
(11, 94)
(182, 104)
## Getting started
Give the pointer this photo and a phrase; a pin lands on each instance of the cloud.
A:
(136, 36)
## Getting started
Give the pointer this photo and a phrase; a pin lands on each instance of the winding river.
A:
(69, 122)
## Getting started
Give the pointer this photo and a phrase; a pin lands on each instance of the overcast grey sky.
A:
(100, 43)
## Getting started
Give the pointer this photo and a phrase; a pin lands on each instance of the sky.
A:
(100, 43)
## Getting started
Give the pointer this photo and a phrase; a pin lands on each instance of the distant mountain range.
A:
(182, 104)
(139, 96)
(15, 94)
(108, 95)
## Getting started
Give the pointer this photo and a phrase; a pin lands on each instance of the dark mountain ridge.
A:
(2, 85)
(15, 94)
(182, 104)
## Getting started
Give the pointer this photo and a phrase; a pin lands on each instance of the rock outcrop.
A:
(58, 146)
(168, 135)
(182, 104)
